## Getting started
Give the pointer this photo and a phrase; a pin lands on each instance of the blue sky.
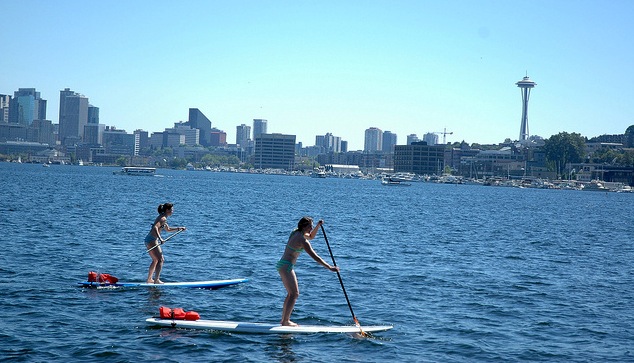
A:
(313, 67)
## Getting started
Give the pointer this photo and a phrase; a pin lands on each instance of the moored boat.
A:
(595, 186)
(136, 170)
(392, 182)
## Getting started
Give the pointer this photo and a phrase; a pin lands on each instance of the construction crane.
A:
(444, 135)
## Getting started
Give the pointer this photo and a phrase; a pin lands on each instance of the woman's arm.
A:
(309, 249)
(174, 229)
(313, 233)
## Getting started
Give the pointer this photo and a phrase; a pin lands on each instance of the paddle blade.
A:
(363, 334)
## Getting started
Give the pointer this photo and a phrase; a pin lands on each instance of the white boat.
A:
(402, 177)
(318, 173)
(136, 170)
(392, 182)
(595, 186)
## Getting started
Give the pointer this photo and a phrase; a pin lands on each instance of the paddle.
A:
(356, 322)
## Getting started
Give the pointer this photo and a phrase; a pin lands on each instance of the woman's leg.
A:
(156, 266)
(290, 283)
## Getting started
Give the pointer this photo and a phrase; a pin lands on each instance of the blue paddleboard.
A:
(211, 284)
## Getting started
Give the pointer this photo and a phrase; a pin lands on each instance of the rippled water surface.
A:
(464, 273)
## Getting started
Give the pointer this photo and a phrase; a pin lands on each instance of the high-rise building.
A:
(373, 139)
(320, 141)
(192, 135)
(411, 138)
(93, 134)
(259, 127)
(73, 116)
(198, 120)
(218, 137)
(328, 143)
(141, 141)
(274, 151)
(430, 138)
(5, 101)
(243, 135)
(525, 86)
(389, 141)
(93, 114)
(26, 106)
(419, 158)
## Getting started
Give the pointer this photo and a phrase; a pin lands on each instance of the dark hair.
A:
(304, 222)
(162, 208)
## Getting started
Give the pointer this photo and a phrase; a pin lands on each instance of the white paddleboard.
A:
(263, 328)
(211, 284)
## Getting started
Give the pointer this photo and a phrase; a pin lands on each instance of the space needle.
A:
(525, 86)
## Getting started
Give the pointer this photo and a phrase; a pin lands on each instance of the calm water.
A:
(464, 273)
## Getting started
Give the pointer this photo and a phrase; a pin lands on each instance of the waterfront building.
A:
(118, 142)
(419, 158)
(373, 139)
(275, 151)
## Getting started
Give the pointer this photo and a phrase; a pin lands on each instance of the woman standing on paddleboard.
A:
(152, 244)
(297, 242)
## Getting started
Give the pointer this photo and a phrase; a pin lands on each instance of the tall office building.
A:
(243, 135)
(275, 151)
(373, 139)
(389, 141)
(259, 127)
(73, 116)
(198, 120)
(26, 106)
(525, 86)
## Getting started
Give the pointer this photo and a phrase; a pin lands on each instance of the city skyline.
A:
(330, 67)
